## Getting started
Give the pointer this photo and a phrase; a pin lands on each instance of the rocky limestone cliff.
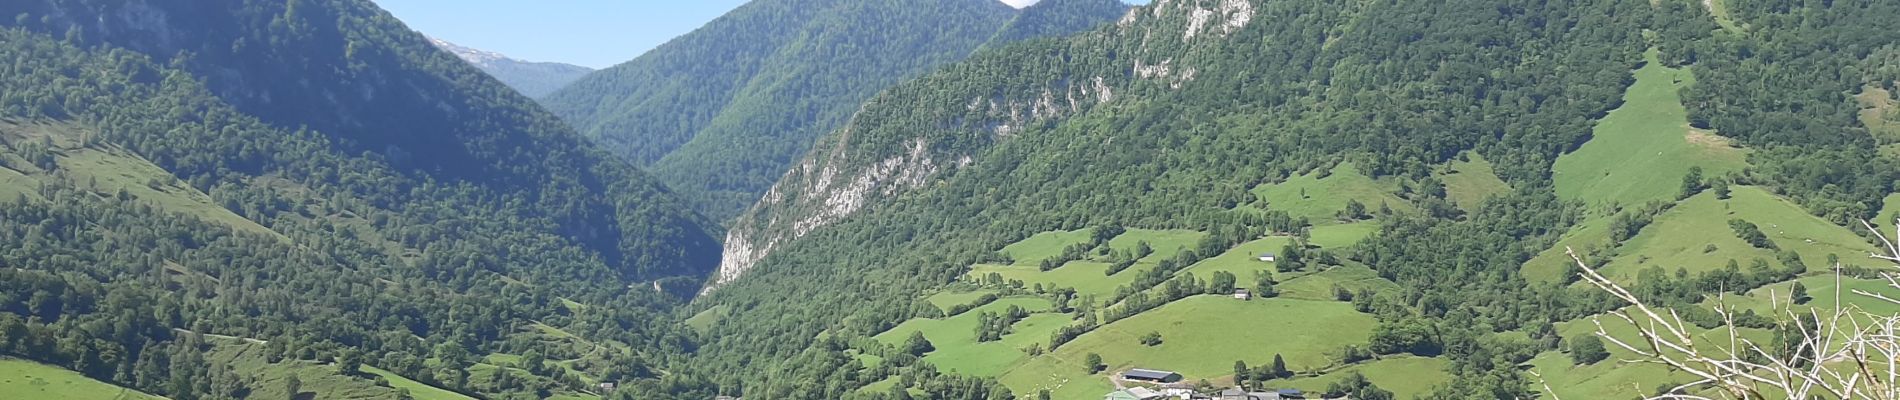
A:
(846, 173)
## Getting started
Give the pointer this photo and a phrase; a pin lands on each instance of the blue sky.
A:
(592, 33)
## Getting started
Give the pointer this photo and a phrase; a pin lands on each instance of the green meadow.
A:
(1088, 276)
(417, 390)
(1202, 336)
(955, 337)
(1243, 261)
(1641, 151)
(22, 379)
(945, 300)
(1340, 236)
(1469, 181)
(1321, 198)
(1610, 378)
(1406, 376)
(1044, 245)
(1681, 237)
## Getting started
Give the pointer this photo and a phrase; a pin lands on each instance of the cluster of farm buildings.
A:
(1168, 385)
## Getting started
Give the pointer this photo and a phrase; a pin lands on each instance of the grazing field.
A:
(1680, 237)
(706, 319)
(1063, 375)
(1609, 379)
(1407, 377)
(320, 380)
(955, 337)
(1880, 114)
(1341, 236)
(417, 390)
(1552, 264)
(1164, 242)
(1044, 245)
(1469, 182)
(1321, 198)
(1242, 261)
(1202, 336)
(105, 169)
(1319, 286)
(14, 185)
(1641, 151)
(945, 300)
(1889, 210)
(1821, 290)
(1086, 277)
(22, 379)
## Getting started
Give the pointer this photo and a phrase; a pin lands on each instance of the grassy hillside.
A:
(21, 379)
(1087, 276)
(1611, 379)
(1470, 181)
(1682, 236)
(216, 186)
(955, 340)
(109, 169)
(1320, 196)
(1641, 151)
(1406, 377)
(1202, 337)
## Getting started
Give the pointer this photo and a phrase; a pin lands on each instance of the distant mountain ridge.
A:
(532, 78)
(720, 113)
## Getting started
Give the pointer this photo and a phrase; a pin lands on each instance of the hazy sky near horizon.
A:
(590, 33)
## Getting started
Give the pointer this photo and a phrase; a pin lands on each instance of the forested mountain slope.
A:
(721, 112)
(534, 79)
(313, 187)
(352, 72)
(1190, 115)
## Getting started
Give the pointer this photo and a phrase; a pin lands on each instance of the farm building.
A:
(1133, 394)
(1242, 294)
(1180, 390)
(1239, 394)
(1148, 375)
(1267, 257)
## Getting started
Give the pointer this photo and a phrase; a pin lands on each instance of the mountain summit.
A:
(535, 79)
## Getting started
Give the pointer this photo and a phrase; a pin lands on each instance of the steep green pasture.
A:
(1086, 277)
(1553, 263)
(1319, 286)
(320, 380)
(14, 185)
(1164, 242)
(22, 379)
(1061, 374)
(1044, 245)
(1880, 114)
(1469, 182)
(706, 319)
(1242, 261)
(1341, 236)
(1202, 336)
(1641, 151)
(1406, 377)
(945, 300)
(1680, 237)
(1610, 379)
(1321, 198)
(955, 337)
(417, 390)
